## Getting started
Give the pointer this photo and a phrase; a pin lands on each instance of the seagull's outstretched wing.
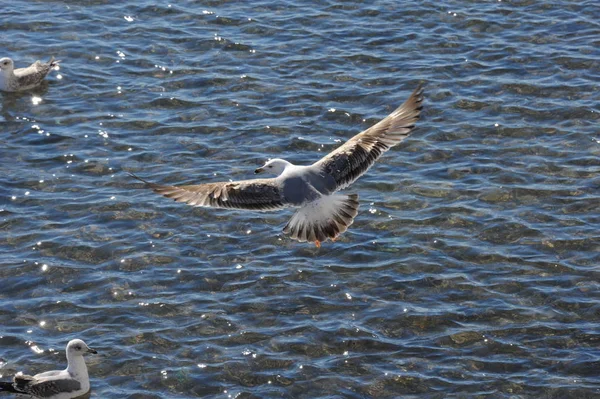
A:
(348, 162)
(257, 194)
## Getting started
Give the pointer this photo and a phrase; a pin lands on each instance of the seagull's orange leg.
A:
(317, 243)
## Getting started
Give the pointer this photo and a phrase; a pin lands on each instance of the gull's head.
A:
(77, 347)
(6, 65)
(274, 166)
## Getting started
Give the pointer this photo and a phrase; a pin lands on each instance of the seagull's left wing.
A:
(45, 388)
(348, 162)
(35, 73)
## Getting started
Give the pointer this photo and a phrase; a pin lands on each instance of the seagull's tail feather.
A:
(323, 219)
(8, 387)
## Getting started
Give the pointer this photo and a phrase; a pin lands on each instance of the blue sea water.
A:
(471, 271)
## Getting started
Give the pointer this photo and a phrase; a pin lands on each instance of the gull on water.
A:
(72, 382)
(12, 79)
(322, 213)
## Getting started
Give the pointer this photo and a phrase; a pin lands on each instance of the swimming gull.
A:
(12, 79)
(70, 383)
(322, 213)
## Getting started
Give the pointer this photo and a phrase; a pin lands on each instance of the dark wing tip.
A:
(413, 106)
(23, 378)
(419, 90)
(146, 183)
(9, 387)
(137, 177)
(157, 188)
(418, 96)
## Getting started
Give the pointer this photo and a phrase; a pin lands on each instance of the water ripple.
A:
(471, 269)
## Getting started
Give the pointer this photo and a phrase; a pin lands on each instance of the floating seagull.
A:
(322, 214)
(73, 382)
(12, 79)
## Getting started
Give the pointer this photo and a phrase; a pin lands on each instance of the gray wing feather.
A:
(257, 194)
(348, 162)
(34, 74)
(48, 388)
(28, 384)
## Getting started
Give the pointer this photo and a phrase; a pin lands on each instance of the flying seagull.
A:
(322, 213)
(12, 79)
(73, 382)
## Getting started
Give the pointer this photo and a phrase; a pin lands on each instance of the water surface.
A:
(472, 269)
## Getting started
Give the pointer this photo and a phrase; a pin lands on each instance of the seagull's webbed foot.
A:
(317, 243)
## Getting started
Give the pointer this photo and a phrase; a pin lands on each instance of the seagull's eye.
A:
(78, 347)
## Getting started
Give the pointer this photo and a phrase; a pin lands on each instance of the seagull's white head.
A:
(6, 65)
(274, 166)
(77, 347)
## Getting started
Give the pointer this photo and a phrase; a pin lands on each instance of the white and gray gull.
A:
(72, 382)
(12, 79)
(322, 213)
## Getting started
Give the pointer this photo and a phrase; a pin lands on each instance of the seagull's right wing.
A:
(257, 194)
